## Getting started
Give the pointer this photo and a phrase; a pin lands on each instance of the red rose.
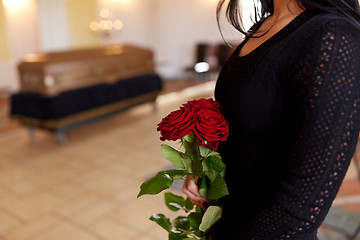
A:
(210, 128)
(177, 124)
(201, 117)
(203, 103)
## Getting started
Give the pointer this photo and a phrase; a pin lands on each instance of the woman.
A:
(291, 94)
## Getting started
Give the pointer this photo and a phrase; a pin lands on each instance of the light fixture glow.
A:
(118, 24)
(105, 26)
(102, 25)
(13, 3)
(105, 13)
(121, 1)
(94, 26)
(202, 67)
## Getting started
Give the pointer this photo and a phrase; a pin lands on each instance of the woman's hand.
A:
(191, 190)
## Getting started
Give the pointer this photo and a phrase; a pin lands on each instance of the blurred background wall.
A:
(172, 28)
(21, 37)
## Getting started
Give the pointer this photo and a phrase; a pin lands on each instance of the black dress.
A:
(294, 115)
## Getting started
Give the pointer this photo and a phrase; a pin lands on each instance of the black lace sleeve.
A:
(327, 92)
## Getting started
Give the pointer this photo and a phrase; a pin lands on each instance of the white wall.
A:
(53, 25)
(22, 32)
(178, 26)
(136, 16)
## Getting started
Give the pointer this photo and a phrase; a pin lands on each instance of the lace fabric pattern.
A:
(328, 88)
(324, 92)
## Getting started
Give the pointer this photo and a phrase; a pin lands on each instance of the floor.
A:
(87, 189)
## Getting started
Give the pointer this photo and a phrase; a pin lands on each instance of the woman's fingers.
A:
(196, 202)
(191, 190)
(191, 187)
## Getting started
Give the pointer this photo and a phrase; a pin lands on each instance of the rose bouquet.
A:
(200, 127)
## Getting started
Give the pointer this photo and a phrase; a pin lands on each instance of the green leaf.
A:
(217, 189)
(199, 234)
(177, 235)
(189, 148)
(195, 220)
(174, 202)
(189, 138)
(197, 168)
(181, 223)
(156, 184)
(179, 159)
(186, 160)
(172, 155)
(191, 145)
(176, 174)
(203, 187)
(214, 164)
(162, 221)
(206, 152)
(163, 180)
(211, 176)
(188, 204)
(212, 214)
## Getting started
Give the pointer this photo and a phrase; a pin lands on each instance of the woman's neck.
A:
(284, 8)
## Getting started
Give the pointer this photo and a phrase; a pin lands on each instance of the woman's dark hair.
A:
(264, 8)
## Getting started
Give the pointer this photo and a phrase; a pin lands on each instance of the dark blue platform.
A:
(71, 108)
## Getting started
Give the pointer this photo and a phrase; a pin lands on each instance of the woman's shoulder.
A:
(323, 37)
(325, 29)
(334, 24)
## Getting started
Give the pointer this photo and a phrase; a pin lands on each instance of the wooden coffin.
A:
(52, 73)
